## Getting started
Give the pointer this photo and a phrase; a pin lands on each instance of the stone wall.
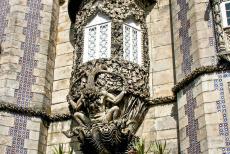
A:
(63, 63)
(193, 36)
(56, 137)
(26, 66)
(203, 124)
(36, 59)
(161, 120)
(61, 83)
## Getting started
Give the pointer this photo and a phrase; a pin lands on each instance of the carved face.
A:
(101, 80)
(83, 82)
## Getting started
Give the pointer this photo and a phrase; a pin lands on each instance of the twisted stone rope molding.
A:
(187, 80)
(162, 100)
(195, 74)
(49, 118)
(33, 112)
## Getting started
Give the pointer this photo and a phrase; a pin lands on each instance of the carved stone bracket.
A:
(108, 98)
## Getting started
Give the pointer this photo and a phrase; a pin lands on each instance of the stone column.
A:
(160, 123)
(26, 66)
(61, 83)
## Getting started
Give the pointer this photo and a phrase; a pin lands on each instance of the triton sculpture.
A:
(107, 115)
(108, 94)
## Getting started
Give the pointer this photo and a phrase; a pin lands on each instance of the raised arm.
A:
(76, 105)
(113, 99)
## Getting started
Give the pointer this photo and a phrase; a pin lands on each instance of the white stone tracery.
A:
(97, 38)
(132, 42)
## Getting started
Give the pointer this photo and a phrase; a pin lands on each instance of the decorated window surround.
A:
(225, 17)
(97, 38)
(132, 42)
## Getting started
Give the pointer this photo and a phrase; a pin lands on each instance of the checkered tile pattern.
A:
(25, 78)
(4, 10)
(221, 107)
(186, 42)
(192, 127)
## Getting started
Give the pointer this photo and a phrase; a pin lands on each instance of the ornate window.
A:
(97, 38)
(225, 12)
(132, 42)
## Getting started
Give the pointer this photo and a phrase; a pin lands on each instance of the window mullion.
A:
(139, 45)
(86, 49)
(109, 40)
(131, 44)
(224, 14)
(97, 42)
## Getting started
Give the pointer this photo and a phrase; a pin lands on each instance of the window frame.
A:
(133, 26)
(97, 21)
(224, 14)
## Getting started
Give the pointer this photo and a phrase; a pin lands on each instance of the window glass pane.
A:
(228, 13)
(103, 43)
(134, 46)
(228, 20)
(92, 43)
(227, 6)
(127, 45)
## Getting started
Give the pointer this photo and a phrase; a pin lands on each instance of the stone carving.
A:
(226, 53)
(108, 98)
(222, 35)
(104, 106)
(119, 11)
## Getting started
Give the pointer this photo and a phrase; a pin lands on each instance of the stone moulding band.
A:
(197, 73)
(33, 112)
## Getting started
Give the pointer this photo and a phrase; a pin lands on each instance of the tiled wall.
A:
(26, 70)
(193, 36)
(5, 9)
(202, 128)
(204, 125)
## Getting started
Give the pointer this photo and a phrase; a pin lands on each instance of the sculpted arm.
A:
(76, 105)
(113, 99)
